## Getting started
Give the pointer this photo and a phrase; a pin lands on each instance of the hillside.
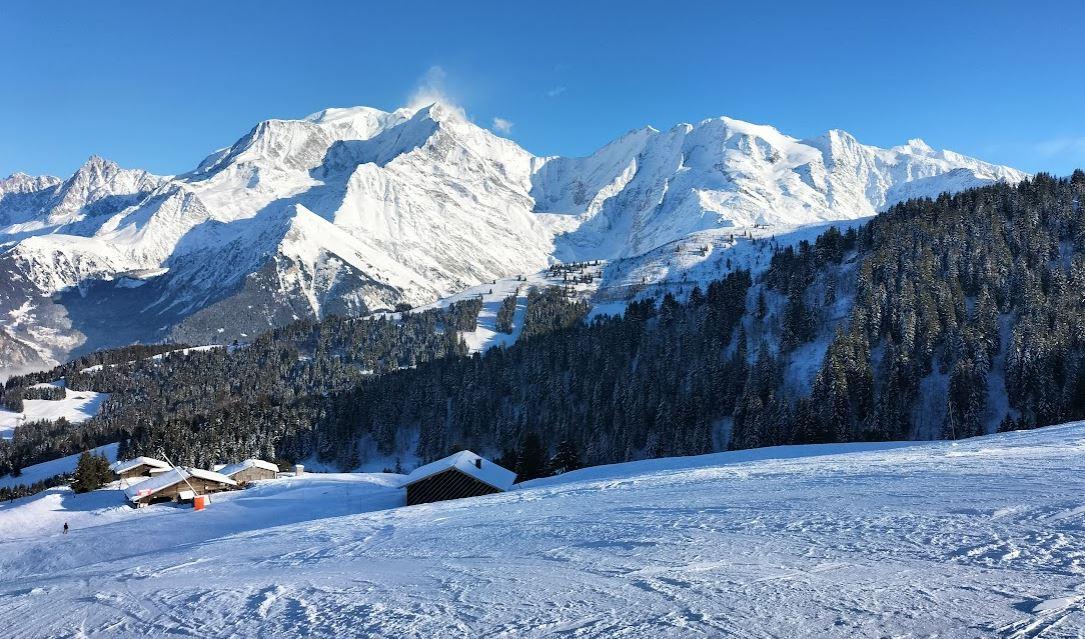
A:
(941, 318)
(355, 210)
(979, 537)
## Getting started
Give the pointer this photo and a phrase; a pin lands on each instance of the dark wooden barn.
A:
(464, 474)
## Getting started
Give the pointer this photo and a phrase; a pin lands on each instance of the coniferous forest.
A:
(941, 318)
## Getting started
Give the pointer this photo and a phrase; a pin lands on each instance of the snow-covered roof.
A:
(233, 469)
(125, 466)
(210, 475)
(171, 477)
(465, 461)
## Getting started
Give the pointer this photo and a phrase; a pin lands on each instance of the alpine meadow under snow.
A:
(977, 538)
(355, 210)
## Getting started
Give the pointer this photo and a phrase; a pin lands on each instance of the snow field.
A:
(77, 406)
(978, 538)
(45, 470)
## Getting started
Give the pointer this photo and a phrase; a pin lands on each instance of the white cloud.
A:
(555, 92)
(501, 125)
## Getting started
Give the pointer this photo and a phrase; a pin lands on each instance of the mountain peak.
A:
(22, 183)
(841, 134)
(339, 114)
(734, 128)
(641, 134)
(98, 162)
(833, 138)
(19, 178)
(441, 112)
(919, 146)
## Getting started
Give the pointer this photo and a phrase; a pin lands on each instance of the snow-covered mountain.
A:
(22, 196)
(354, 210)
(650, 188)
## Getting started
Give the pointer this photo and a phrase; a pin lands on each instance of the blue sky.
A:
(160, 84)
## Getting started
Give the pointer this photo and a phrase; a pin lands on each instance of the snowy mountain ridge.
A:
(354, 210)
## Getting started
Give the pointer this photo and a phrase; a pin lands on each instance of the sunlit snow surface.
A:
(77, 406)
(982, 538)
(49, 469)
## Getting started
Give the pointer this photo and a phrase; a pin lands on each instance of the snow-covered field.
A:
(77, 406)
(979, 538)
(52, 468)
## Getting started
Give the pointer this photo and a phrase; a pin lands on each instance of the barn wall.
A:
(201, 486)
(253, 474)
(450, 484)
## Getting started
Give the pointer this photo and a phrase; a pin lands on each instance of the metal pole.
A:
(184, 475)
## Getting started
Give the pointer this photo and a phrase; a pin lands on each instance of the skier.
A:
(65, 528)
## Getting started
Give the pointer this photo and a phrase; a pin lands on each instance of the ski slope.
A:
(486, 334)
(978, 538)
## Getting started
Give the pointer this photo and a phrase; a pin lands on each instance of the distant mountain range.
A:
(354, 210)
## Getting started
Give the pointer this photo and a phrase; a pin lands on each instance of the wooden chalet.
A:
(249, 470)
(464, 474)
(178, 484)
(138, 467)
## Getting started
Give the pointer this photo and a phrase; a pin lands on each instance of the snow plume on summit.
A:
(353, 210)
(432, 88)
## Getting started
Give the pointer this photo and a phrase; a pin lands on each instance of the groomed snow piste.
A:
(978, 538)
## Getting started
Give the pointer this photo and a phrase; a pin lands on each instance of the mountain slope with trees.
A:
(355, 210)
(941, 318)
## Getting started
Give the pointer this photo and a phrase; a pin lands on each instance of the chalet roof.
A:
(172, 477)
(125, 466)
(233, 469)
(464, 461)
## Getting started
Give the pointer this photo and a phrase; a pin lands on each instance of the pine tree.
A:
(91, 473)
(532, 459)
(505, 314)
(566, 458)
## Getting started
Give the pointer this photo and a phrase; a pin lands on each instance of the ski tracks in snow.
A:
(982, 538)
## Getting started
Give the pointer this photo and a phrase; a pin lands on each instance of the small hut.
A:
(249, 470)
(139, 467)
(178, 484)
(464, 474)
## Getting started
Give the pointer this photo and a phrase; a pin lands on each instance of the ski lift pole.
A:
(184, 475)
